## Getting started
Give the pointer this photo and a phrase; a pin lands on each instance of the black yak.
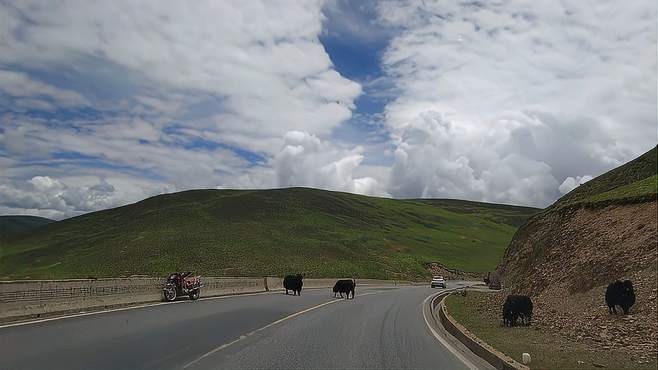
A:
(345, 286)
(517, 307)
(294, 283)
(620, 293)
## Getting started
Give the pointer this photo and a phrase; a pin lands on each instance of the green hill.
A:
(632, 182)
(499, 213)
(267, 232)
(10, 226)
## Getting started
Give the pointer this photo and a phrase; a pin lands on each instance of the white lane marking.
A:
(269, 326)
(128, 308)
(445, 343)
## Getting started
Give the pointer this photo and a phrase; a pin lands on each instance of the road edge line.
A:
(442, 340)
(132, 307)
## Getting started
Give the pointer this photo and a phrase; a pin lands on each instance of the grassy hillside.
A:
(633, 181)
(260, 232)
(638, 189)
(14, 225)
(499, 213)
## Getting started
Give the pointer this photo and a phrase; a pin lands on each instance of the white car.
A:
(438, 281)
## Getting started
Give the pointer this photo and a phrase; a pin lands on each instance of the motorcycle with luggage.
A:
(180, 284)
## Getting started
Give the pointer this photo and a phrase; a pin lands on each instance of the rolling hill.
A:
(265, 232)
(10, 226)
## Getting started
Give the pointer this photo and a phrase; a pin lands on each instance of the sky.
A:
(105, 103)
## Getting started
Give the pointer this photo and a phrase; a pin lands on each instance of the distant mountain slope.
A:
(565, 256)
(260, 232)
(14, 225)
(501, 213)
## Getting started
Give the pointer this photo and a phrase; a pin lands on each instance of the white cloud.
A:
(53, 198)
(72, 194)
(262, 59)
(439, 159)
(571, 183)
(528, 94)
(506, 101)
(305, 160)
(178, 92)
(25, 92)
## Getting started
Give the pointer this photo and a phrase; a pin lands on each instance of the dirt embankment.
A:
(564, 261)
(439, 269)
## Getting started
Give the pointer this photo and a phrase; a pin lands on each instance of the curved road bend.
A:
(381, 328)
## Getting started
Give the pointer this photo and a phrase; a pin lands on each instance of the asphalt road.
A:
(381, 328)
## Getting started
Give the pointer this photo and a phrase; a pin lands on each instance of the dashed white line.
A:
(244, 336)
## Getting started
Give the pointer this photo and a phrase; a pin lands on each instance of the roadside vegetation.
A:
(548, 349)
(263, 232)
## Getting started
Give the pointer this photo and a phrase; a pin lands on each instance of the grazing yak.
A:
(620, 293)
(345, 286)
(517, 307)
(294, 283)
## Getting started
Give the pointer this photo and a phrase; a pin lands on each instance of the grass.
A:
(624, 183)
(10, 226)
(548, 350)
(500, 213)
(637, 189)
(266, 232)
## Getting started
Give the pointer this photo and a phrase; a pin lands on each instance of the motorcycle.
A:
(180, 284)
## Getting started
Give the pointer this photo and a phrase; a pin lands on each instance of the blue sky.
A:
(106, 103)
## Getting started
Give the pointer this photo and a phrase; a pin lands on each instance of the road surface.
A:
(381, 328)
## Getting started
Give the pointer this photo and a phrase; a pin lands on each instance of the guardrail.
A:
(26, 299)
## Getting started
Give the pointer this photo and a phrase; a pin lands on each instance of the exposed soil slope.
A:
(565, 256)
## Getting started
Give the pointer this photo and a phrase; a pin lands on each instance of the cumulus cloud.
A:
(305, 160)
(49, 197)
(69, 194)
(571, 183)
(504, 101)
(259, 66)
(105, 103)
(437, 158)
(187, 95)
